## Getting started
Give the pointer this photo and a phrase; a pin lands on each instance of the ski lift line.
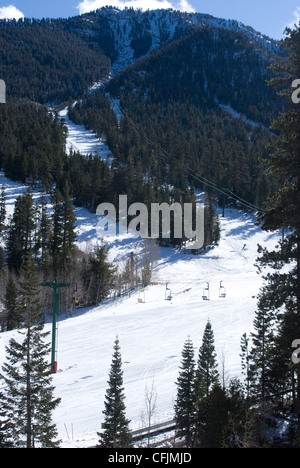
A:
(224, 192)
(197, 177)
(244, 201)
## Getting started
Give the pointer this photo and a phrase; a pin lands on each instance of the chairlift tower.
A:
(55, 285)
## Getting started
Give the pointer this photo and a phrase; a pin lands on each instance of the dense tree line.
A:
(45, 229)
(32, 144)
(173, 129)
(172, 123)
(207, 67)
(269, 362)
(27, 405)
(47, 63)
(278, 313)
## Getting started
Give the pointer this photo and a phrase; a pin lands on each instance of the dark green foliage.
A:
(185, 410)
(97, 275)
(2, 210)
(115, 432)
(261, 355)
(21, 230)
(62, 242)
(32, 144)
(197, 69)
(206, 373)
(28, 398)
(12, 312)
(45, 62)
(279, 299)
(206, 414)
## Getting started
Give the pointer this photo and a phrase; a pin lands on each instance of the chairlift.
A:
(222, 291)
(168, 294)
(141, 298)
(74, 298)
(205, 295)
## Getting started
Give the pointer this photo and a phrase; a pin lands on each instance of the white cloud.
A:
(10, 12)
(296, 18)
(86, 6)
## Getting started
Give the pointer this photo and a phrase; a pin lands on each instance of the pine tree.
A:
(245, 362)
(206, 373)
(44, 236)
(2, 210)
(6, 440)
(20, 233)
(57, 230)
(261, 355)
(97, 274)
(116, 431)
(28, 400)
(281, 294)
(63, 232)
(216, 418)
(207, 377)
(13, 317)
(69, 235)
(185, 401)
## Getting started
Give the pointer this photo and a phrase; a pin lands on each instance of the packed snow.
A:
(82, 140)
(151, 333)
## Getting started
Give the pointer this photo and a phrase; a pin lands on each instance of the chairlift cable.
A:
(196, 176)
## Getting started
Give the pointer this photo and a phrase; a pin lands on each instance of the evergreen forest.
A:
(208, 111)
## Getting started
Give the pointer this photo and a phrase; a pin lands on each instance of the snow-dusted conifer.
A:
(28, 400)
(185, 401)
(116, 431)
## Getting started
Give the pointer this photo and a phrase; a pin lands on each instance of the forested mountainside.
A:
(50, 61)
(189, 78)
(44, 62)
(180, 106)
(194, 112)
(126, 35)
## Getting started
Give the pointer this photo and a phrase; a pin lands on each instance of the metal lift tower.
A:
(55, 285)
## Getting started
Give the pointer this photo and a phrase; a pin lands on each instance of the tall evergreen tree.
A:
(69, 235)
(2, 210)
(116, 431)
(57, 230)
(281, 295)
(206, 373)
(13, 317)
(20, 234)
(6, 440)
(185, 401)
(245, 362)
(45, 233)
(97, 274)
(63, 232)
(28, 399)
(207, 378)
(261, 355)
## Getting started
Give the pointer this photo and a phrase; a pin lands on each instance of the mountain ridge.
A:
(53, 60)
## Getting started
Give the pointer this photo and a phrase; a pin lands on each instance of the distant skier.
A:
(244, 247)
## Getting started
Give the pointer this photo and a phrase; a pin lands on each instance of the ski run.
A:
(151, 331)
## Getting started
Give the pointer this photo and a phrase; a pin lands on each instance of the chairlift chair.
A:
(222, 291)
(205, 295)
(141, 298)
(168, 295)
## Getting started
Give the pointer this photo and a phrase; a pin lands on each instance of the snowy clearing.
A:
(151, 334)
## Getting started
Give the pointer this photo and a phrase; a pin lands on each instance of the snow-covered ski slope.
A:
(152, 334)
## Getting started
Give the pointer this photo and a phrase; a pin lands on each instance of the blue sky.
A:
(270, 17)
